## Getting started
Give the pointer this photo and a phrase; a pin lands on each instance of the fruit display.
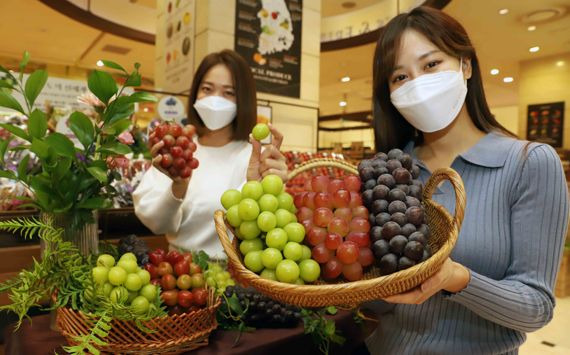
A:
(263, 216)
(137, 246)
(182, 283)
(257, 310)
(178, 151)
(337, 226)
(124, 282)
(294, 159)
(217, 277)
(393, 194)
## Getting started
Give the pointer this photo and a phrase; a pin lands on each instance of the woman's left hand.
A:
(270, 161)
(452, 277)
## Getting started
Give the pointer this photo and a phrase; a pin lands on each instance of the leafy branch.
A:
(322, 329)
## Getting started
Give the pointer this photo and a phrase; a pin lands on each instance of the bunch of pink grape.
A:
(337, 226)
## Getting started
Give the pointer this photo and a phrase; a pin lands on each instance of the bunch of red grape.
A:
(337, 225)
(393, 195)
(178, 151)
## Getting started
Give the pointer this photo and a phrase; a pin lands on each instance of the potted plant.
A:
(71, 181)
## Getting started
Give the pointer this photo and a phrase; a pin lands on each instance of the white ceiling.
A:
(502, 41)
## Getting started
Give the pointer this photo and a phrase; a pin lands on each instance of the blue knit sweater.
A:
(511, 241)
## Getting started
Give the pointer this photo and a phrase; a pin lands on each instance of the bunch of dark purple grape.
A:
(393, 194)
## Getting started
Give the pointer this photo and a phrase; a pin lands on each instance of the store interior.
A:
(523, 47)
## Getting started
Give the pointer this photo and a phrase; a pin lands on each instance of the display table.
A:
(37, 338)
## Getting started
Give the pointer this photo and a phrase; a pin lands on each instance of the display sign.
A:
(171, 108)
(546, 123)
(268, 36)
(174, 63)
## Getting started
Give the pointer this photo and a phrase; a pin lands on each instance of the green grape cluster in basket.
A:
(124, 282)
(263, 216)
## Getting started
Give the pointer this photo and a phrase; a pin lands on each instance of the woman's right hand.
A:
(179, 185)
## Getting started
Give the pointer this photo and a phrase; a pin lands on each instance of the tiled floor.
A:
(557, 332)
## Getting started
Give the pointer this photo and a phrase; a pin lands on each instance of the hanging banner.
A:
(268, 36)
(546, 123)
(174, 61)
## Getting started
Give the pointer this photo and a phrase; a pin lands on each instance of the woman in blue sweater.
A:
(498, 282)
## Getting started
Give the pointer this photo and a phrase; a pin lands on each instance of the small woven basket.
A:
(444, 231)
(171, 334)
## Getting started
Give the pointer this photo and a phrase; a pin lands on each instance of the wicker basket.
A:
(172, 334)
(444, 231)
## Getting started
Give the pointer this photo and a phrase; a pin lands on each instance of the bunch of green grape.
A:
(217, 277)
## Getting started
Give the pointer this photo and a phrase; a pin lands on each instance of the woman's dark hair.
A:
(244, 88)
(391, 129)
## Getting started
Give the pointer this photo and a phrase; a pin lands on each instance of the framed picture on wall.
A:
(545, 123)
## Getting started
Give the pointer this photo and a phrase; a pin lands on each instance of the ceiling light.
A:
(100, 63)
(503, 11)
(494, 71)
(145, 109)
(560, 63)
(345, 79)
(508, 79)
(534, 49)
(531, 28)
(342, 103)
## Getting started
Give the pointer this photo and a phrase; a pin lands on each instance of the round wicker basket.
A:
(444, 231)
(171, 334)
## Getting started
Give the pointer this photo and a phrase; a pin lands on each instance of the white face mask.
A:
(215, 111)
(431, 101)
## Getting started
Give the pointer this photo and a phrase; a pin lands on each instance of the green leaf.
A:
(40, 148)
(37, 124)
(22, 169)
(8, 174)
(134, 79)
(102, 85)
(331, 310)
(6, 84)
(4, 143)
(118, 127)
(115, 148)
(234, 304)
(15, 130)
(62, 168)
(113, 65)
(137, 66)
(61, 144)
(202, 259)
(7, 100)
(142, 96)
(98, 173)
(82, 127)
(35, 85)
(24, 62)
(94, 203)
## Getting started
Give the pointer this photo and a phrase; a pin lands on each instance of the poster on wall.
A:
(546, 123)
(268, 36)
(174, 62)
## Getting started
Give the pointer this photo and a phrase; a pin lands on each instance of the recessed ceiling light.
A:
(508, 79)
(342, 103)
(531, 28)
(345, 79)
(503, 11)
(100, 63)
(494, 71)
(534, 49)
(560, 63)
(348, 4)
(145, 109)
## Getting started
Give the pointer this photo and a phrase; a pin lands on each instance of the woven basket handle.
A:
(323, 162)
(441, 175)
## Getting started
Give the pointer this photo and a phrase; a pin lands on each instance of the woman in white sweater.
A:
(223, 110)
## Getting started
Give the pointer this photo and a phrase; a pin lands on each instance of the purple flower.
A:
(81, 157)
